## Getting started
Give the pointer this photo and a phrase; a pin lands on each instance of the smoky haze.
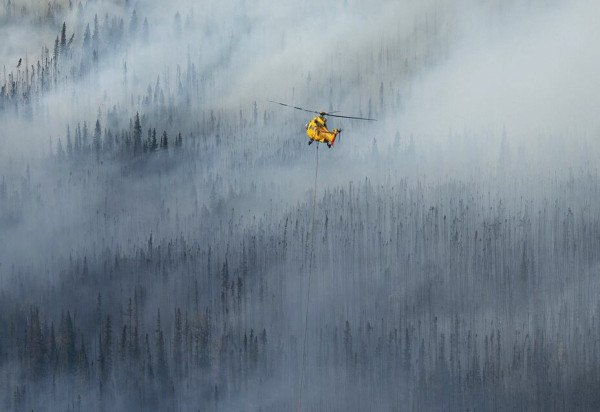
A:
(169, 241)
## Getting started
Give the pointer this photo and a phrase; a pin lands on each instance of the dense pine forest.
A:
(169, 241)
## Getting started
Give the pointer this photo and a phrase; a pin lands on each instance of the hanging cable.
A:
(310, 270)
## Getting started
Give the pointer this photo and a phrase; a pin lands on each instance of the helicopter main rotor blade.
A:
(350, 117)
(294, 107)
(323, 113)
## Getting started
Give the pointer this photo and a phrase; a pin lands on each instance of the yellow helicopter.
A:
(316, 128)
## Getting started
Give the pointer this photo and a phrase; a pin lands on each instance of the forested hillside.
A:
(169, 241)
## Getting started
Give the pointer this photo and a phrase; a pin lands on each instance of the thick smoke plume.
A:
(167, 244)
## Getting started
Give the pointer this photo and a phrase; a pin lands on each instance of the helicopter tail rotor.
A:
(338, 135)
